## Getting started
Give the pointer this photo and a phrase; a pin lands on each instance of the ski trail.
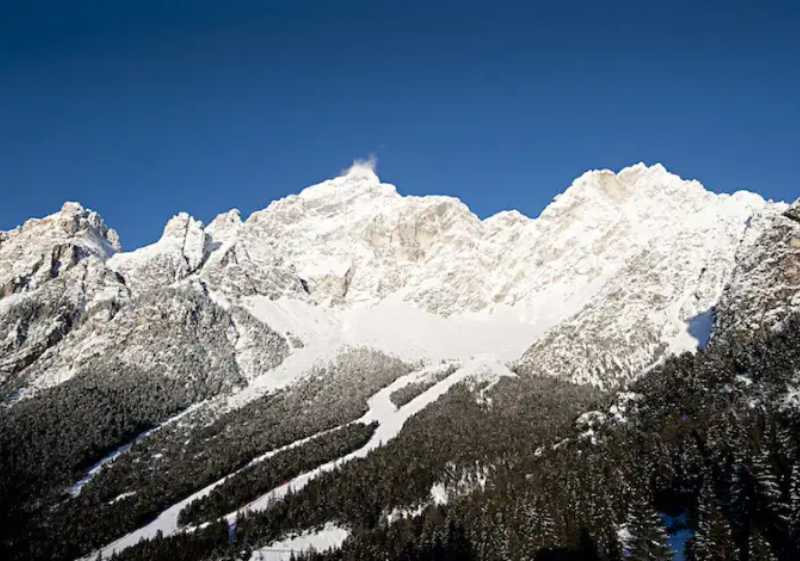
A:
(328, 537)
(390, 419)
(167, 521)
(379, 408)
(76, 488)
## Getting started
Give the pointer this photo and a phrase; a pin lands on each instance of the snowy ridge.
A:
(53, 275)
(639, 247)
(613, 275)
(179, 252)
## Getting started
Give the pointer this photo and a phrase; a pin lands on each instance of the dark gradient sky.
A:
(142, 111)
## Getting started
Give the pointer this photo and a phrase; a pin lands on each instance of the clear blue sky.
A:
(142, 109)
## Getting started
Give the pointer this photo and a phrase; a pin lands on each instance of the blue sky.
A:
(142, 109)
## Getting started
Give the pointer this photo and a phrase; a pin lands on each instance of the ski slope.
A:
(390, 421)
(92, 472)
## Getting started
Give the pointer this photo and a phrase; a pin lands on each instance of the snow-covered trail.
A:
(381, 409)
(329, 536)
(76, 488)
(391, 420)
(167, 521)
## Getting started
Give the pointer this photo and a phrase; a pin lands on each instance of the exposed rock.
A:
(604, 283)
(765, 285)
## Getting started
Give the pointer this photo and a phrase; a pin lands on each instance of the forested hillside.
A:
(712, 439)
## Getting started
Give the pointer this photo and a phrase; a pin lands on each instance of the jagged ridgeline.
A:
(398, 378)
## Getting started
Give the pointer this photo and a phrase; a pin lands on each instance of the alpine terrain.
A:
(354, 374)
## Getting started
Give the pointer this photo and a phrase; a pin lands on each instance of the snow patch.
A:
(412, 333)
(439, 494)
(330, 536)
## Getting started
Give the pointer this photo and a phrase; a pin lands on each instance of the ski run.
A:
(390, 421)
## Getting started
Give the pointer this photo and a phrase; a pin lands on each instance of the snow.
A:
(391, 420)
(412, 333)
(167, 521)
(624, 536)
(398, 513)
(439, 494)
(792, 398)
(92, 472)
(76, 488)
(381, 409)
(352, 262)
(588, 422)
(625, 402)
(122, 496)
(328, 537)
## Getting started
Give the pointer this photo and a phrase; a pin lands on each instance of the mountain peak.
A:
(178, 225)
(71, 207)
(357, 185)
(225, 225)
(639, 187)
(75, 220)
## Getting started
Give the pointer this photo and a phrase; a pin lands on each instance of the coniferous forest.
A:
(707, 439)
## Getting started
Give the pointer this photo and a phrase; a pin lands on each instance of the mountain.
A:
(349, 354)
(621, 268)
(53, 274)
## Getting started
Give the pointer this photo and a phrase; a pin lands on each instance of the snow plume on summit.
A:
(363, 167)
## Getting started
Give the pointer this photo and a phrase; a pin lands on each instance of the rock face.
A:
(177, 332)
(765, 284)
(45, 249)
(664, 264)
(75, 304)
(619, 270)
(181, 250)
(52, 275)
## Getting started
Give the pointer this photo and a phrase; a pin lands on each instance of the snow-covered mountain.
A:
(618, 271)
(53, 275)
(349, 354)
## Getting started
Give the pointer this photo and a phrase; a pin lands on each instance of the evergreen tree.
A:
(768, 489)
(713, 539)
(648, 537)
(741, 494)
(759, 548)
(794, 500)
(538, 529)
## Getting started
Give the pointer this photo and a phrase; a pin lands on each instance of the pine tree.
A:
(648, 537)
(768, 489)
(741, 495)
(713, 540)
(794, 500)
(538, 529)
(500, 539)
(759, 548)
